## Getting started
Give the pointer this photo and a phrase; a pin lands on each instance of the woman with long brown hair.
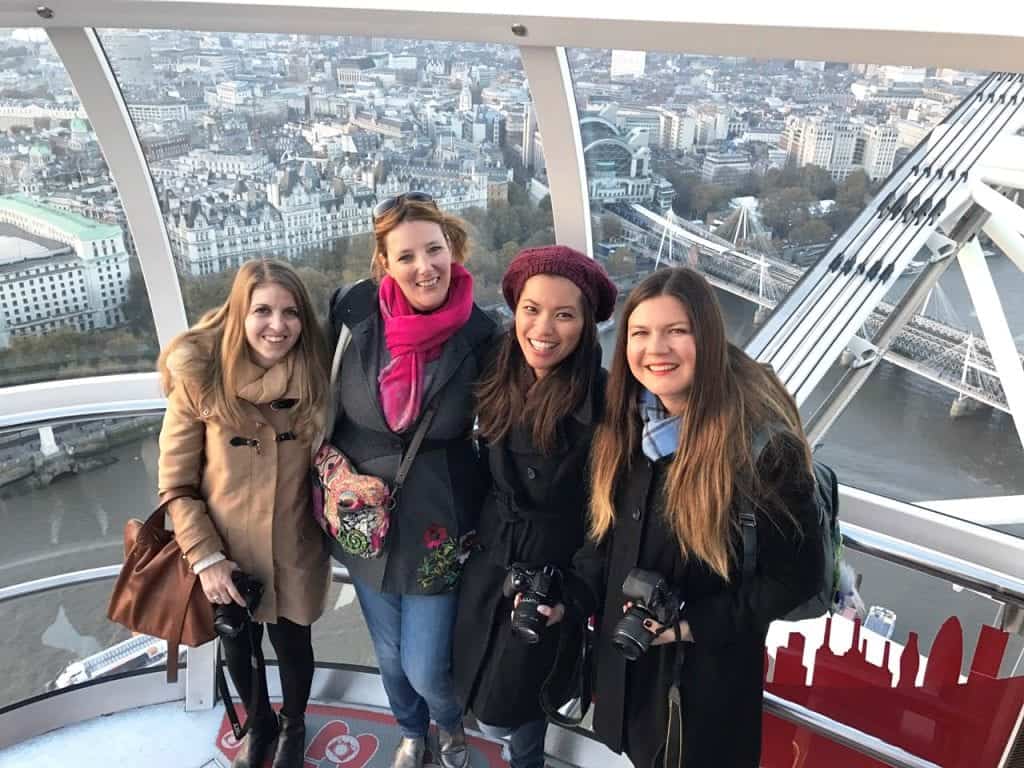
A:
(538, 406)
(672, 470)
(416, 341)
(246, 394)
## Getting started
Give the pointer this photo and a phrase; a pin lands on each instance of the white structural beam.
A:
(997, 333)
(97, 88)
(547, 70)
(871, 31)
(80, 398)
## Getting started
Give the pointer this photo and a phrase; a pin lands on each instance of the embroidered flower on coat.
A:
(435, 536)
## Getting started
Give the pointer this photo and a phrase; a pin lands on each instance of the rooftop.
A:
(74, 225)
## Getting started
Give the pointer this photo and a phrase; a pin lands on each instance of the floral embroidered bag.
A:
(354, 509)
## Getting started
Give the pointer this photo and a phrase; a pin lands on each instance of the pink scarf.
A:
(415, 339)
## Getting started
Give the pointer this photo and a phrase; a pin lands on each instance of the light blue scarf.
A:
(661, 431)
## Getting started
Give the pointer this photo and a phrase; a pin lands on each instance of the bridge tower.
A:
(965, 405)
(763, 309)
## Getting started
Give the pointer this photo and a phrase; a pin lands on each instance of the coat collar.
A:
(259, 385)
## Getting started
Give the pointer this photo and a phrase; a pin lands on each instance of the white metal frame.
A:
(551, 89)
(97, 89)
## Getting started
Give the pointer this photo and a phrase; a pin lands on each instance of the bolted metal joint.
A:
(519, 30)
(44, 13)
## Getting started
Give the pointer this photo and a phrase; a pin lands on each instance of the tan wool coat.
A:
(255, 504)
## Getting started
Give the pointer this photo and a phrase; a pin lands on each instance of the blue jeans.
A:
(412, 635)
(526, 742)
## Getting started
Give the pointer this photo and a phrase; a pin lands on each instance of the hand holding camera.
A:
(652, 606)
(217, 583)
(229, 620)
(535, 589)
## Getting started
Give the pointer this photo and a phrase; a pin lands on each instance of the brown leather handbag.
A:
(156, 592)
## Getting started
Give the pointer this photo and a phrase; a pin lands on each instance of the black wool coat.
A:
(722, 670)
(439, 502)
(534, 514)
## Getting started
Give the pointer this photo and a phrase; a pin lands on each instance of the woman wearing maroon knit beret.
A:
(538, 406)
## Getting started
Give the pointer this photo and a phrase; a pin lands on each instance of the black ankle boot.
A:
(256, 744)
(292, 743)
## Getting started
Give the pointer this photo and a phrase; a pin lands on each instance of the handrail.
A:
(996, 584)
(834, 730)
(59, 581)
(840, 733)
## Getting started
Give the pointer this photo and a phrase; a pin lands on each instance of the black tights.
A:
(294, 650)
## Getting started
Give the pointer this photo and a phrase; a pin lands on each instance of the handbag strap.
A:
(333, 403)
(156, 522)
(413, 449)
(258, 667)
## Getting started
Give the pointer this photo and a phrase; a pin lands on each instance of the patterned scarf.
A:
(661, 431)
(414, 340)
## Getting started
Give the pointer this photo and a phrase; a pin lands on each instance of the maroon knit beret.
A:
(561, 261)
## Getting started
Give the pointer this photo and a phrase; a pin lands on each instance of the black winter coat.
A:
(534, 514)
(723, 668)
(440, 499)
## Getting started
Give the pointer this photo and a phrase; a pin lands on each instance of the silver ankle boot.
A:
(454, 752)
(409, 753)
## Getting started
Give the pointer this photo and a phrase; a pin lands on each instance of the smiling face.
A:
(661, 350)
(272, 324)
(420, 262)
(549, 321)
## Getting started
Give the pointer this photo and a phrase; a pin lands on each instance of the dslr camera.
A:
(229, 620)
(652, 598)
(537, 587)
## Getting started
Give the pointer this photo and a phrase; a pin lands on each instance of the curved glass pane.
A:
(281, 145)
(72, 299)
(67, 491)
(61, 638)
(749, 170)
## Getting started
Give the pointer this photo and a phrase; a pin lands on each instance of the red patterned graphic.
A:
(957, 724)
(334, 743)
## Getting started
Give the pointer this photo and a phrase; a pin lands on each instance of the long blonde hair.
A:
(732, 396)
(211, 352)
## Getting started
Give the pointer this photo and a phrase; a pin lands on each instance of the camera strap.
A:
(580, 680)
(258, 666)
(674, 756)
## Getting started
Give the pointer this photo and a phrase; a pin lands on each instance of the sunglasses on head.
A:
(391, 203)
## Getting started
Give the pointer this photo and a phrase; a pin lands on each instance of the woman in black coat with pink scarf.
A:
(672, 467)
(538, 406)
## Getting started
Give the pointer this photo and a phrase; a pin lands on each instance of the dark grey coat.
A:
(439, 502)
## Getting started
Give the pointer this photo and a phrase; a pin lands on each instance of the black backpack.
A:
(826, 499)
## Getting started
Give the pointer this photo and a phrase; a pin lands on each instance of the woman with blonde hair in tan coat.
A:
(246, 389)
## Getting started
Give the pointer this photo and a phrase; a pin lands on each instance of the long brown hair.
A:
(211, 352)
(732, 396)
(509, 395)
(417, 210)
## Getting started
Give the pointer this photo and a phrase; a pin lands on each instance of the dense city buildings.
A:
(280, 145)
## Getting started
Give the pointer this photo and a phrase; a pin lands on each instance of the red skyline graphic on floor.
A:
(954, 724)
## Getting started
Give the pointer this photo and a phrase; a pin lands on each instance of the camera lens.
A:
(527, 624)
(630, 635)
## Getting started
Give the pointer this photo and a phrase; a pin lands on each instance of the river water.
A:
(896, 438)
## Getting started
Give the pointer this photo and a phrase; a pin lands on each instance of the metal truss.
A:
(937, 199)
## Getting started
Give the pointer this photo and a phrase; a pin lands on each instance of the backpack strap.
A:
(748, 520)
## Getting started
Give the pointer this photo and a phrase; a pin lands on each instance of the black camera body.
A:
(537, 587)
(652, 598)
(229, 620)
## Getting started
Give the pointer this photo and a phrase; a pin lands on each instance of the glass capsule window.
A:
(281, 145)
(72, 299)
